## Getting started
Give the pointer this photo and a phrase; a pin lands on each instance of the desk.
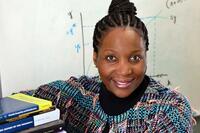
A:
(51, 127)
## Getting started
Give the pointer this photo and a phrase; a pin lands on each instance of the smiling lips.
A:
(123, 84)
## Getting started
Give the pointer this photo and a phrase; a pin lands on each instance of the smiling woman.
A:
(123, 98)
(121, 61)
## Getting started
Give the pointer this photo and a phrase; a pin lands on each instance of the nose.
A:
(124, 68)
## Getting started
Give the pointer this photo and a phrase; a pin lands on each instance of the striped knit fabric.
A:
(159, 109)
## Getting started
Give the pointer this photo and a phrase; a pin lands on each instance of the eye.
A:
(135, 58)
(111, 58)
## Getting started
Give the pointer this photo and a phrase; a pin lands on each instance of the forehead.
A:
(122, 37)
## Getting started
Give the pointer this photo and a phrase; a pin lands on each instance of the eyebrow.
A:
(134, 51)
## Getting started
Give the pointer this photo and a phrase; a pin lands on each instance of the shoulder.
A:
(85, 83)
(70, 87)
(166, 96)
(171, 106)
(155, 90)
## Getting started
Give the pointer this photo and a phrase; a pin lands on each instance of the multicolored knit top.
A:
(158, 110)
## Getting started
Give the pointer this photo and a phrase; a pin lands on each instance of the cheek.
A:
(104, 70)
(140, 69)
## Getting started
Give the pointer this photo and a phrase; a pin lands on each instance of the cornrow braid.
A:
(122, 13)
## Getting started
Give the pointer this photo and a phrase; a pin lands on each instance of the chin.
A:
(121, 95)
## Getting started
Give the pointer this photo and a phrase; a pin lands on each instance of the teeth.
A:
(122, 84)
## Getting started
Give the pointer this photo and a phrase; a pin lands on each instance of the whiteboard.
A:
(46, 40)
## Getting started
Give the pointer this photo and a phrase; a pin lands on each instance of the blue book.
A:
(19, 104)
(29, 122)
(17, 125)
(10, 108)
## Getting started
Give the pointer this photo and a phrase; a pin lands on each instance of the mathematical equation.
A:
(159, 76)
(173, 3)
(173, 18)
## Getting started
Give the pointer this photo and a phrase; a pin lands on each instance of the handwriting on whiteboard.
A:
(173, 3)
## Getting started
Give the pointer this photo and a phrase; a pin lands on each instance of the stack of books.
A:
(23, 113)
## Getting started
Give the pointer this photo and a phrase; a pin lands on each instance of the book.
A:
(18, 104)
(28, 115)
(50, 127)
(42, 103)
(30, 122)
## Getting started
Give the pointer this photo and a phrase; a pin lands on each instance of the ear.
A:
(145, 62)
(95, 58)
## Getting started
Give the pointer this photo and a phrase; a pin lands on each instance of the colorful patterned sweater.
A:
(158, 110)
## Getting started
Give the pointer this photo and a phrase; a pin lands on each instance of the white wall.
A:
(39, 41)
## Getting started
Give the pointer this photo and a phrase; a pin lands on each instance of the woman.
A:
(124, 98)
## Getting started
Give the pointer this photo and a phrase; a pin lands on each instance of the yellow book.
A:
(42, 103)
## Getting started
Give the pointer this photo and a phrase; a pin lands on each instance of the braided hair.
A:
(121, 13)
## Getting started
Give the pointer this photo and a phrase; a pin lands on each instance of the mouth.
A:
(123, 83)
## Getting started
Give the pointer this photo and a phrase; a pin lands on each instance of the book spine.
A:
(17, 113)
(29, 122)
(17, 125)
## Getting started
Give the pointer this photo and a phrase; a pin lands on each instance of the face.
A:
(121, 61)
